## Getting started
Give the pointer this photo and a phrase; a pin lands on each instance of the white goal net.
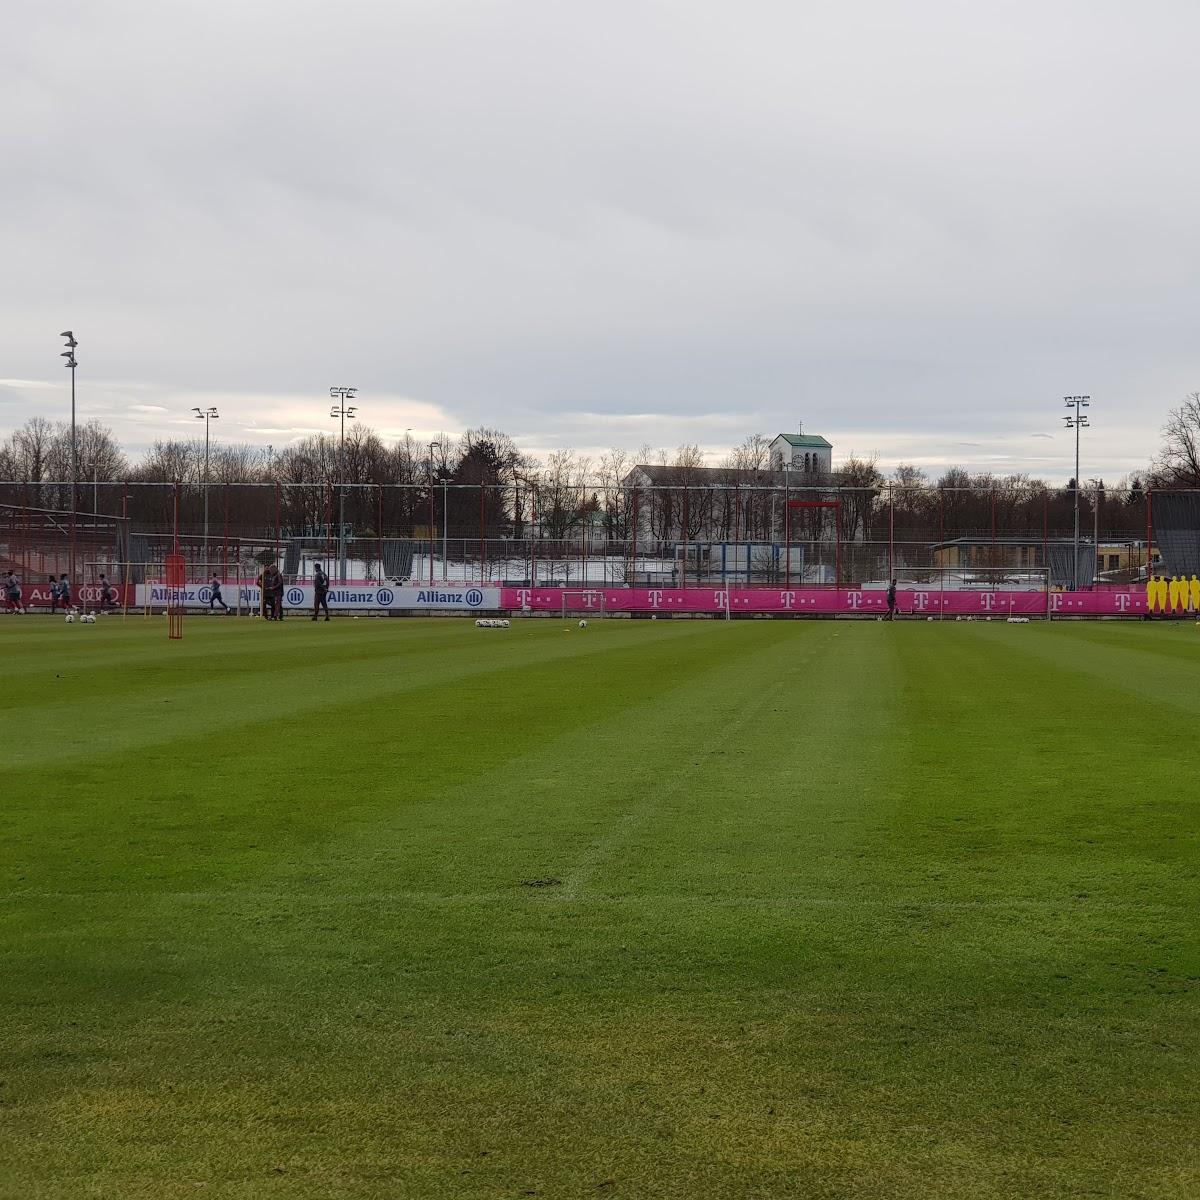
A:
(947, 593)
(583, 602)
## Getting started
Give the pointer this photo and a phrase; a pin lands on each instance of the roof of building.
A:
(1032, 539)
(805, 439)
(660, 475)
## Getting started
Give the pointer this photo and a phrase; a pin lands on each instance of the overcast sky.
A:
(912, 226)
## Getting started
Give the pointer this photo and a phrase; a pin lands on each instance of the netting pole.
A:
(379, 533)
(685, 534)
(1149, 528)
(633, 547)
(787, 540)
(482, 535)
(787, 533)
(225, 532)
(992, 494)
(891, 531)
(125, 526)
(278, 539)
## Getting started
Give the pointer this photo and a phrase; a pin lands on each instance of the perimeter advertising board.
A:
(298, 597)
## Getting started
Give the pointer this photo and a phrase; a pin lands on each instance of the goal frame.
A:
(593, 602)
(947, 581)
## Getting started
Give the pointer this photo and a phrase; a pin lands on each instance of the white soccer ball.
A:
(70, 618)
(929, 618)
(582, 624)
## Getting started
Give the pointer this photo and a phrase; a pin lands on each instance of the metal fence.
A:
(744, 533)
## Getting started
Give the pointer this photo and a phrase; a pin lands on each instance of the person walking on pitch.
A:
(320, 592)
(54, 595)
(891, 600)
(64, 593)
(214, 595)
(12, 593)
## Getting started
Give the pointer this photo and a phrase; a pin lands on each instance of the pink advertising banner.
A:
(828, 601)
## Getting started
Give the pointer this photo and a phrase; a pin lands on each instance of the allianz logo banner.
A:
(359, 597)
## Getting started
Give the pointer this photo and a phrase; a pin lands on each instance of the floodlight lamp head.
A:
(351, 412)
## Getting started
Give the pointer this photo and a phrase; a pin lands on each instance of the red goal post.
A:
(175, 569)
(836, 505)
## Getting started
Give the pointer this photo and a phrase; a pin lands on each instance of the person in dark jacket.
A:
(891, 600)
(273, 590)
(214, 595)
(320, 592)
(64, 593)
(55, 594)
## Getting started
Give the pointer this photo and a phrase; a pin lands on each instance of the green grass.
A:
(828, 909)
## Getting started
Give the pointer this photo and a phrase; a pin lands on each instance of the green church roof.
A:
(805, 439)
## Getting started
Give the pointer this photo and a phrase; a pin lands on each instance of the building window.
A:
(1114, 562)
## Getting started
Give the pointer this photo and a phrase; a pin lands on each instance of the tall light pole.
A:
(71, 364)
(1077, 421)
(206, 415)
(343, 412)
(433, 445)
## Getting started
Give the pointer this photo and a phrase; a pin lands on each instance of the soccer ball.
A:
(582, 624)
(70, 618)
(929, 618)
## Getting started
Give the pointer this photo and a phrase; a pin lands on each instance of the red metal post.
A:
(1046, 535)
(787, 540)
(787, 533)
(837, 543)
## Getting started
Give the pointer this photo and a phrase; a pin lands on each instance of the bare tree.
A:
(1178, 461)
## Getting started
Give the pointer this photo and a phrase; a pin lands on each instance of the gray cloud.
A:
(655, 221)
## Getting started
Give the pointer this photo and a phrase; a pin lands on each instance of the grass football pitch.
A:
(654, 909)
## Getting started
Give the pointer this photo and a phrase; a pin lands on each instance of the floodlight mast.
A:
(343, 412)
(1077, 422)
(71, 364)
(206, 415)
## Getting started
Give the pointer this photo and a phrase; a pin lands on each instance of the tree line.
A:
(482, 484)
